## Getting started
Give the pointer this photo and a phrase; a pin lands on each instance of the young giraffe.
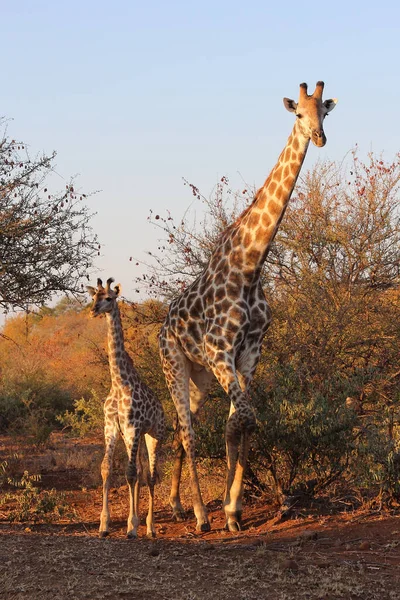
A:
(216, 326)
(130, 408)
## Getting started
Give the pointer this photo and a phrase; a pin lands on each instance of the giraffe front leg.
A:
(233, 518)
(241, 423)
(106, 470)
(132, 478)
(238, 431)
(237, 452)
(133, 519)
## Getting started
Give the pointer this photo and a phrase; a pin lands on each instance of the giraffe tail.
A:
(143, 465)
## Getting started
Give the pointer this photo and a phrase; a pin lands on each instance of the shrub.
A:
(87, 416)
(31, 406)
(305, 433)
(11, 410)
(210, 426)
(29, 503)
(376, 461)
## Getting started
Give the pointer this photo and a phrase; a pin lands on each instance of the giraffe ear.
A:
(117, 289)
(330, 104)
(91, 290)
(290, 105)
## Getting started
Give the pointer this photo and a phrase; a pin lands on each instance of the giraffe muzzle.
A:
(318, 138)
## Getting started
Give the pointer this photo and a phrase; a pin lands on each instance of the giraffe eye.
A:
(298, 116)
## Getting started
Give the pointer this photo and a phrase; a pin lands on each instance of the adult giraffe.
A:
(216, 326)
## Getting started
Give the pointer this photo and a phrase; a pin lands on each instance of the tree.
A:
(46, 242)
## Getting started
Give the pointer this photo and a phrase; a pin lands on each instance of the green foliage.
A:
(210, 426)
(11, 409)
(305, 431)
(3, 471)
(87, 416)
(376, 462)
(28, 502)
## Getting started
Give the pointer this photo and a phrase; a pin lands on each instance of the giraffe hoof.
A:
(234, 521)
(151, 534)
(179, 516)
(233, 526)
(103, 534)
(203, 527)
(131, 535)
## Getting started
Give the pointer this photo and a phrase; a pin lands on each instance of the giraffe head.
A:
(311, 112)
(104, 299)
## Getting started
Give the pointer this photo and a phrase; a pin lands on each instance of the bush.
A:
(210, 426)
(305, 433)
(31, 406)
(87, 416)
(29, 503)
(376, 462)
(11, 410)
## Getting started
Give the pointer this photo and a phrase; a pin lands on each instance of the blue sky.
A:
(135, 96)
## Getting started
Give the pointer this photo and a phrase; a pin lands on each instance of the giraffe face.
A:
(104, 299)
(311, 112)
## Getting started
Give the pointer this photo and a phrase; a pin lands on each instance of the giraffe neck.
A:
(256, 228)
(116, 346)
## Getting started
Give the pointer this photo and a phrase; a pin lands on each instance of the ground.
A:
(348, 555)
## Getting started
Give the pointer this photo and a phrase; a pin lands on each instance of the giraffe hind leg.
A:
(178, 511)
(153, 446)
(178, 383)
(241, 423)
(199, 384)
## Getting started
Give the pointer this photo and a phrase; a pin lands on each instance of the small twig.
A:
(87, 531)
